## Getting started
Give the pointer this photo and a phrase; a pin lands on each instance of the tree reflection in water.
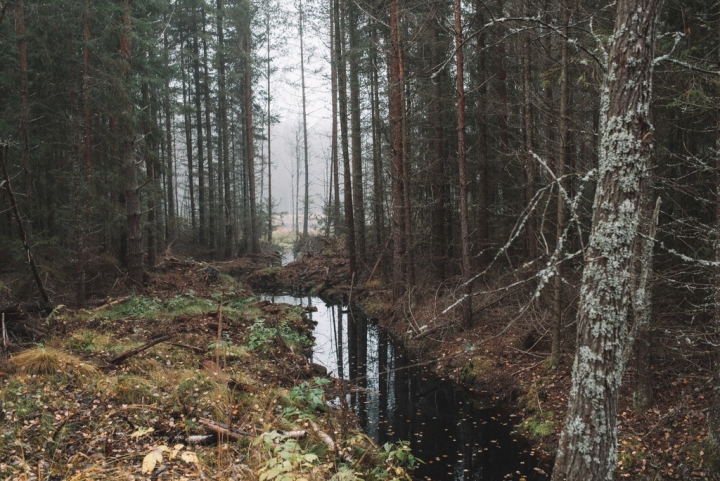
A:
(458, 437)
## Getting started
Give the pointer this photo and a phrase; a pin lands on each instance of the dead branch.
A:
(223, 429)
(112, 303)
(18, 219)
(132, 352)
(198, 350)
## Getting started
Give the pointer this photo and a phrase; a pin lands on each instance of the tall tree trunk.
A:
(87, 132)
(337, 221)
(171, 220)
(149, 151)
(588, 444)
(306, 209)
(405, 101)
(462, 168)
(502, 88)
(188, 142)
(396, 107)
(24, 95)
(79, 198)
(378, 182)
(357, 176)
(269, 139)
(483, 233)
(199, 129)
(560, 173)
(528, 137)
(224, 153)
(211, 207)
(343, 105)
(249, 141)
(439, 183)
(127, 153)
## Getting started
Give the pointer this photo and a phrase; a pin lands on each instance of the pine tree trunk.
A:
(483, 233)
(439, 183)
(378, 183)
(560, 173)
(24, 95)
(588, 444)
(149, 150)
(225, 134)
(462, 169)
(199, 130)
(337, 221)
(357, 176)
(249, 140)
(127, 153)
(212, 208)
(188, 142)
(269, 138)
(396, 107)
(528, 138)
(343, 106)
(306, 207)
(171, 220)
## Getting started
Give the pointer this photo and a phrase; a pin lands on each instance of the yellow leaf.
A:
(151, 459)
(176, 449)
(189, 457)
(141, 432)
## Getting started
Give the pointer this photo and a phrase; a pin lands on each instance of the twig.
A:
(132, 352)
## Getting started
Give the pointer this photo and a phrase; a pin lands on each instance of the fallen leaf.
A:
(151, 459)
(189, 457)
(141, 432)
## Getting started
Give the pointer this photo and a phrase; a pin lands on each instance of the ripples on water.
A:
(458, 438)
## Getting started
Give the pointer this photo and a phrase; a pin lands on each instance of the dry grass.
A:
(47, 360)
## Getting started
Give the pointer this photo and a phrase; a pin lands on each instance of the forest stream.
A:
(458, 437)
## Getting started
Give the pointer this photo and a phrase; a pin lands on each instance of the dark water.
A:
(457, 436)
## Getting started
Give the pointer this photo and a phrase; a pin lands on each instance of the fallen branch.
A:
(234, 433)
(132, 352)
(198, 350)
(112, 303)
(225, 430)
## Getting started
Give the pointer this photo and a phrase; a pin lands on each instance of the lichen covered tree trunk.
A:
(588, 443)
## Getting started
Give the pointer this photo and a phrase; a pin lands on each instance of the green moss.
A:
(477, 368)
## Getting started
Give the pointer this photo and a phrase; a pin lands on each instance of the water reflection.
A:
(458, 438)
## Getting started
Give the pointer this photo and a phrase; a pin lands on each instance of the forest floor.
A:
(67, 412)
(227, 394)
(510, 364)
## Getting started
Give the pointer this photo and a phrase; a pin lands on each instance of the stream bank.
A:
(194, 378)
(507, 362)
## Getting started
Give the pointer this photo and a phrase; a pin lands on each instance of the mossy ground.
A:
(67, 413)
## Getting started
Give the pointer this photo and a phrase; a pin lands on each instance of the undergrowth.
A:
(66, 413)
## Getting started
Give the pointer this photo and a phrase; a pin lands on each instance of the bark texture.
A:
(588, 443)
